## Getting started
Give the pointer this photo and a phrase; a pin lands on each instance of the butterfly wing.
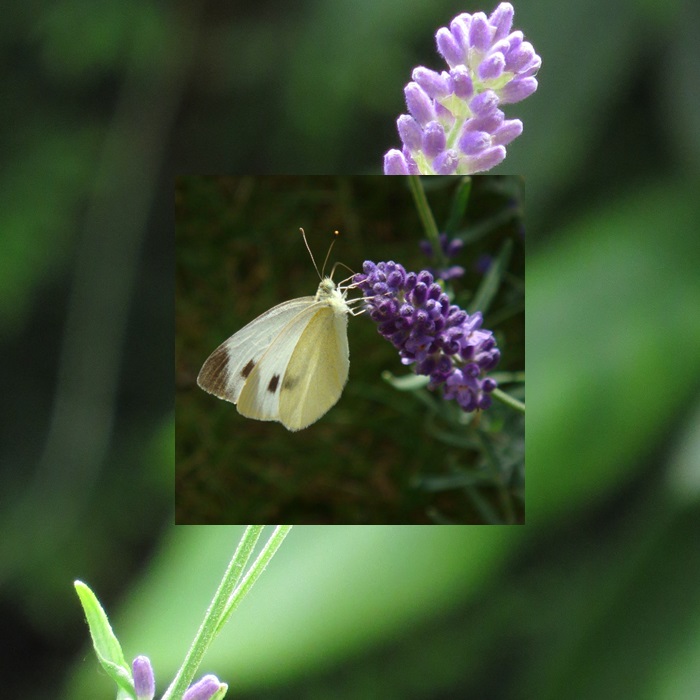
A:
(317, 370)
(227, 369)
(260, 396)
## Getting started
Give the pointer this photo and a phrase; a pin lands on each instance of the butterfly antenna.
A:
(328, 254)
(303, 235)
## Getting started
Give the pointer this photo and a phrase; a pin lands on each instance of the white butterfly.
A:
(290, 364)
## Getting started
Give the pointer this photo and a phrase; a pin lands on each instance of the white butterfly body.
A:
(289, 365)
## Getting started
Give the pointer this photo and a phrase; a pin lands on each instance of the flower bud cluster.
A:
(454, 125)
(444, 342)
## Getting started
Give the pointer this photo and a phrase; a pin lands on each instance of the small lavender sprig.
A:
(446, 344)
(455, 125)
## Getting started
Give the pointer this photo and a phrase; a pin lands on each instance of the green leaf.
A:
(107, 647)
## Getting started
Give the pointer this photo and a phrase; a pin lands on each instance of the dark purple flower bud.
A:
(440, 339)
(420, 293)
(144, 681)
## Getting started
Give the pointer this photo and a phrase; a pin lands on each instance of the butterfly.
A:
(290, 364)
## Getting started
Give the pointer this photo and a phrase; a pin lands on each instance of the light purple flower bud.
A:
(489, 121)
(461, 82)
(515, 40)
(480, 32)
(489, 65)
(434, 84)
(395, 163)
(484, 103)
(488, 159)
(448, 47)
(433, 139)
(409, 131)
(509, 130)
(419, 104)
(521, 58)
(459, 27)
(517, 90)
(492, 66)
(446, 163)
(502, 20)
(473, 142)
(144, 682)
(202, 689)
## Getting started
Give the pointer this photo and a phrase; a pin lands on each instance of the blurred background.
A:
(596, 597)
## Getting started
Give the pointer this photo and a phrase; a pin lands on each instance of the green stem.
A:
(210, 625)
(254, 572)
(426, 215)
(508, 400)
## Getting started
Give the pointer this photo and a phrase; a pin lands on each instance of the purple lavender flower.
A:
(445, 343)
(455, 125)
(203, 689)
(144, 682)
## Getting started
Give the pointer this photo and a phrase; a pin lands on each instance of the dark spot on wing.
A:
(245, 372)
(212, 376)
(290, 382)
(272, 386)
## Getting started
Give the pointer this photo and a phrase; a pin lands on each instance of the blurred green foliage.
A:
(598, 596)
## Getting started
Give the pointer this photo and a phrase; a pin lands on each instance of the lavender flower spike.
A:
(445, 343)
(455, 125)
